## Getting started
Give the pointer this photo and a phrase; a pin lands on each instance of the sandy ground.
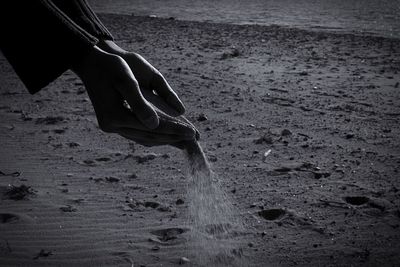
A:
(326, 105)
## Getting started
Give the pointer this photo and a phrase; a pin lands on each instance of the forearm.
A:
(83, 15)
(40, 41)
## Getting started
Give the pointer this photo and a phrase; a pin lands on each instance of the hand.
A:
(149, 78)
(109, 82)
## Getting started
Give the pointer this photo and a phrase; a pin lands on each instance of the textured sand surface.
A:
(327, 194)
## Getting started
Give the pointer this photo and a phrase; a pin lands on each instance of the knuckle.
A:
(129, 86)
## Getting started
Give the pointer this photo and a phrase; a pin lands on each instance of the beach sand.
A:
(326, 106)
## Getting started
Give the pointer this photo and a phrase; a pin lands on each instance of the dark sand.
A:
(326, 105)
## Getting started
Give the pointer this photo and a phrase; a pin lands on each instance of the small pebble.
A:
(155, 248)
(112, 179)
(286, 132)
(183, 260)
(264, 233)
(202, 117)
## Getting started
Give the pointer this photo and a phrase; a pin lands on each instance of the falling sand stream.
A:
(212, 218)
(211, 214)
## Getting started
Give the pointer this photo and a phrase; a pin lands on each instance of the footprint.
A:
(168, 233)
(19, 192)
(103, 159)
(8, 218)
(356, 200)
(272, 214)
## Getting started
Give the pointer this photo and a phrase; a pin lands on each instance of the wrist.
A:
(83, 64)
(111, 47)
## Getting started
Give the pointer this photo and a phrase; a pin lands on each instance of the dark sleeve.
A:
(82, 14)
(40, 41)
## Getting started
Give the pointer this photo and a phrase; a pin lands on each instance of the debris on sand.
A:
(356, 200)
(286, 132)
(303, 73)
(183, 260)
(8, 217)
(89, 162)
(73, 144)
(266, 154)
(212, 158)
(179, 201)
(103, 159)
(155, 248)
(168, 234)
(234, 52)
(319, 175)
(133, 176)
(59, 131)
(49, 120)
(112, 179)
(145, 158)
(295, 166)
(19, 192)
(267, 139)
(12, 174)
(43, 254)
(156, 205)
(68, 208)
(202, 117)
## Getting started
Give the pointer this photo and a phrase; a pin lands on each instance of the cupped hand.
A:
(110, 83)
(149, 78)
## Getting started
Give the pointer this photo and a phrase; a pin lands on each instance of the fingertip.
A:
(185, 131)
(180, 107)
(177, 104)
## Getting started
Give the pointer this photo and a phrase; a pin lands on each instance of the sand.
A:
(325, 106)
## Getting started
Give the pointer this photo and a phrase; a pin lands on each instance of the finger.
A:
(191, 124)
(160, 103)
(167, 125)
(170, 125)
(163, 89)
(139, 105)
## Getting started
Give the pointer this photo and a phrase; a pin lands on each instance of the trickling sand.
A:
(211, 214)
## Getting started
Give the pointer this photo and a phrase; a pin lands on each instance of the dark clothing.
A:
(42, 39)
